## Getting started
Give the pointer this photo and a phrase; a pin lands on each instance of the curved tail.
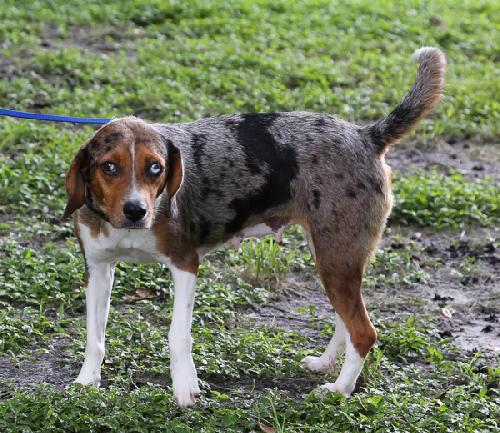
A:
(420, 100)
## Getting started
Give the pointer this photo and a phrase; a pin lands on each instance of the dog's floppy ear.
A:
(76, 180)
(175, 172)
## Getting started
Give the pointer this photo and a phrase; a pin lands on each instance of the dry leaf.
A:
(265, 428)
(446, 312)
(140, 294)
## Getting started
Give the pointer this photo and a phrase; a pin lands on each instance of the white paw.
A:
(88, 378)
(185, 384)
(317, 364)
(345, 390)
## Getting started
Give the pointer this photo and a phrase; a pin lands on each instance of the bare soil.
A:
(472, 160)
(463, 298)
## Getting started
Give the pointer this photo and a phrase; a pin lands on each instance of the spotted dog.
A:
(170, 193)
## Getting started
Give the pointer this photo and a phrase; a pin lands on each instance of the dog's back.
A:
(242, 169)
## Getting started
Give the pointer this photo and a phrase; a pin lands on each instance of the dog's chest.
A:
(135, 246)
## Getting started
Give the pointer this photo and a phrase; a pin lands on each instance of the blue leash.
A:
(53, 117)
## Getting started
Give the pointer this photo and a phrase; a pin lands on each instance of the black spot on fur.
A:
(258, 143)
(93, 144)
(361, 185)
(366, 143)
(205, 191)
(339, 176)
(317, 197)
(320, 122)
(377, 186)
(113, 137)
(198, 142)
(314, 159)
(262, 150)
(204, 230)
(350, 193)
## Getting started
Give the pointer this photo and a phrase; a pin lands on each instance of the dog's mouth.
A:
(142, 224)
(136, 226)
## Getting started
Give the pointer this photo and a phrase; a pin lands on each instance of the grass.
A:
(437, 200)
(147, 57)
(177, 61)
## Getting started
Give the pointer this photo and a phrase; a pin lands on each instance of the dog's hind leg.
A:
(343, 287)
(99, 280)
(341, 269)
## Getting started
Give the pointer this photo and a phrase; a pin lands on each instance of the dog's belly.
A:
(257, 230)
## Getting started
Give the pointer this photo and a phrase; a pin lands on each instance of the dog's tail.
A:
(420, 100)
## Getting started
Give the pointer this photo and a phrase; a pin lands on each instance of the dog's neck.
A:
(90, 205)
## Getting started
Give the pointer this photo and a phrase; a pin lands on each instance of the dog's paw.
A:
(185, 385)
(317, 364)
(345, 390)
(90, 379)
(185, 392)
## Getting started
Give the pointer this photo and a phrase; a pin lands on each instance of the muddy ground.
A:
(462, 294)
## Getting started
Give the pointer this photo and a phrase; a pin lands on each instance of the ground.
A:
(432, 290)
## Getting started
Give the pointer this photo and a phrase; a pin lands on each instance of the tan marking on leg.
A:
(343, 288)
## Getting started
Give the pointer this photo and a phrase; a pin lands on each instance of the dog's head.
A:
(121, 171)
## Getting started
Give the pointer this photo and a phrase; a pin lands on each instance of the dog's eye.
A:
(155, 169)
(109, 167)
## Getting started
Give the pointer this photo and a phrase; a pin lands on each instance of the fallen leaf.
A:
(140, 294)
(265, 428)
(435, 21)
(446, 312)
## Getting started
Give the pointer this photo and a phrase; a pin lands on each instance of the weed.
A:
(437, 200)
(177, 61)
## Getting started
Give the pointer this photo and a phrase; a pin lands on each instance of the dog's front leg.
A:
(98, 291)
(182, 369)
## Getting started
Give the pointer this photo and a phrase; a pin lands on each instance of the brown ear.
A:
(175, 174)
(75, 182)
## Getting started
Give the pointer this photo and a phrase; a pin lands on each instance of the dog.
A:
(170, 193)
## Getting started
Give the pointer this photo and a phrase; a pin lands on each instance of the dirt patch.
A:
(468, 286)
(472, 161)
(26, 374)
(97, 40)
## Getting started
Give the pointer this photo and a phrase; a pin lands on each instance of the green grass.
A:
(178, 61)
(423, 390)
(437, 200)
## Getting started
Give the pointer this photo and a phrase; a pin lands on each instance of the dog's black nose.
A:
(134, 210)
